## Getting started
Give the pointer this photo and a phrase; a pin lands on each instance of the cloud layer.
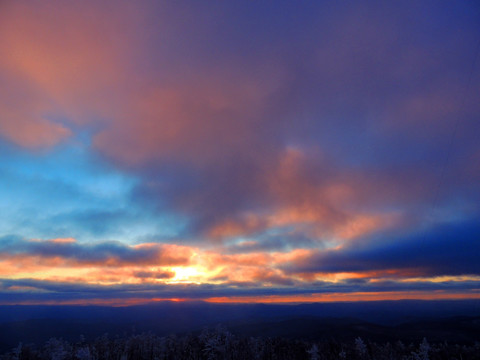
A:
(239, 145)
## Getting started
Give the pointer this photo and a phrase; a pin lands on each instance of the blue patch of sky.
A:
(68, 192)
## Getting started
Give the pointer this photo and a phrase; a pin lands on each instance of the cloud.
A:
(449, 249)
(280, 143)
(35, 291)
(268, 243)
(23, 118)
(204, 122)
(154, 275)
(108, 254)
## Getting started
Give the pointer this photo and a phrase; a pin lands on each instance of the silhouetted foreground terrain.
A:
(221, 344)
(389, 329)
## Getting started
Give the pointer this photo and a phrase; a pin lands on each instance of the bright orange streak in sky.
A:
(272, 299)
(340, 297)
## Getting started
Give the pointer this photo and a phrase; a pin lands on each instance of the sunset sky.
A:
(239, 151)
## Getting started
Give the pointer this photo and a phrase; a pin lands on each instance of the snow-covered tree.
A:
(83, 353)
(360, 347)
(56, 349)
(423, 351)
(313, 352)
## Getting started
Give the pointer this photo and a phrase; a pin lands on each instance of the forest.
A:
(220, 344)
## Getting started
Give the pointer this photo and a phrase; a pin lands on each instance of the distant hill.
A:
(460, 330)
(455, 321)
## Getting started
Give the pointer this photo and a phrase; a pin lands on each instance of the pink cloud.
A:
(59, 60)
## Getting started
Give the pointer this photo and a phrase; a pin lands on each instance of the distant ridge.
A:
(456, 321)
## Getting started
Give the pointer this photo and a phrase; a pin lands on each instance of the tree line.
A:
(220, 344)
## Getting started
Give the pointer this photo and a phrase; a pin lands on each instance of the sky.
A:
(235, 151)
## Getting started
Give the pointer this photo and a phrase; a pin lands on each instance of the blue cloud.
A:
(446, 249)
(38, 290)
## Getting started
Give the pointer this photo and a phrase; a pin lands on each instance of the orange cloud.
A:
(269, 299)
(303, 198)
(63, 240)
(89, 62)
(38, 255)
(23, 115)
(59, 60)
(336, 297)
